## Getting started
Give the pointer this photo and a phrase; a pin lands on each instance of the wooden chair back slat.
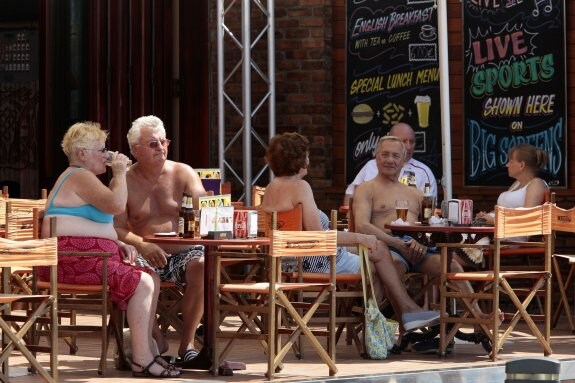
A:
(519, 285)
(563, 220)
(522, 222)
(258, 195)
(23, 219)
(231, 298)
(288, 220)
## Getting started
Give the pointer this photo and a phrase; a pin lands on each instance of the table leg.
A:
(209, 289)
(204, 359)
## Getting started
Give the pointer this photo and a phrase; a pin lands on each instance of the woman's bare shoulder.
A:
(540, 183)
(83, 178)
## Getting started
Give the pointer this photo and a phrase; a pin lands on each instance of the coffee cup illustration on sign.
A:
(427, 33)
(423, 103)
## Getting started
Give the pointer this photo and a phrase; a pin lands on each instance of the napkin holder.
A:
(460, 211)
(245, 223)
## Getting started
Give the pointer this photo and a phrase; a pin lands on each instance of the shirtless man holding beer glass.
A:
(383, 199)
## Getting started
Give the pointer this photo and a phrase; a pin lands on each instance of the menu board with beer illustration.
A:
(514, 86)
(392, 76)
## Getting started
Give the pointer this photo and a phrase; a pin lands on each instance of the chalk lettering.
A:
(490, 151)
(540, 105)
(516, 74)
(427, 76)
(365, 147)
(482, 143)
(405, 19)
(502, 106)
(367, 85)
(362, 25)
(361, 43)
(497, 48)
(399, 80)
(400, 36)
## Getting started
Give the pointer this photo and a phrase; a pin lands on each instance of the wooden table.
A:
(439, 233)
(205, 357)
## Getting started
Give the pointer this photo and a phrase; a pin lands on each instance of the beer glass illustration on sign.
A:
(423, 103)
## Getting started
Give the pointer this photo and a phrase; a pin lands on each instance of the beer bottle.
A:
(188, 219)
(194, 225)
(427, 204)
(181, 216)
(196, 222)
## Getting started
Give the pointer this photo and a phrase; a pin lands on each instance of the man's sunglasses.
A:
(155, 144)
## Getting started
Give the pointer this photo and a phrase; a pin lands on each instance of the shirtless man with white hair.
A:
(155, 189)
(374, 206)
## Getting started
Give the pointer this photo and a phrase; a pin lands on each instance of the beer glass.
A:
(401, 209)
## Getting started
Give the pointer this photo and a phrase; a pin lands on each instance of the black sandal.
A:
(145, 373)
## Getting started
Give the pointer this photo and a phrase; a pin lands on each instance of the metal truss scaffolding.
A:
(236, 110)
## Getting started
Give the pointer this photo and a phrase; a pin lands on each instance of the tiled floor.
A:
(467, 359)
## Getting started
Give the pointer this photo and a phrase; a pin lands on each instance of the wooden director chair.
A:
(20, 218)
(563, 220)
(253, 262)
(349, 315)
(535, 221)
(3, 201)
(272, 300)
(18, 331)
(74, 299)
(258, 193)
(169, 308)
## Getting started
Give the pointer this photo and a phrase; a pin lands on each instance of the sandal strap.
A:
(166, 372)
(169, 366)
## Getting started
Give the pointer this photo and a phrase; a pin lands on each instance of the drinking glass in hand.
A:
(401, 208)
(110, 158)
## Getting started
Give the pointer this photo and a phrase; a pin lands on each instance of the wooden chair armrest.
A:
(235, 254)
(522, 244)
(463, 245)
(102, 254)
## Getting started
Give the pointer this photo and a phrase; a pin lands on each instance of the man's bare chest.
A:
(144, 203)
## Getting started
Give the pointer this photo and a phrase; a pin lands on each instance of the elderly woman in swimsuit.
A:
(85, 209)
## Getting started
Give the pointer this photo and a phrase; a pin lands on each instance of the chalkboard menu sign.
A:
(392, 76)
(514, 87)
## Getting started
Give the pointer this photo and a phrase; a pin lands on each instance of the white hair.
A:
(146, 121)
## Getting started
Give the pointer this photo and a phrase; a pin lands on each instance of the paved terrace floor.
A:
(468, 363)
